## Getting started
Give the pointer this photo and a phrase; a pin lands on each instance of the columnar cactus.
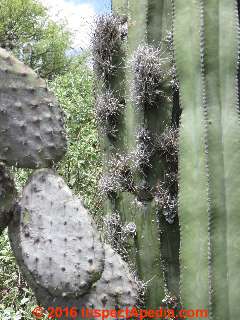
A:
(206, 45)
(142, 86)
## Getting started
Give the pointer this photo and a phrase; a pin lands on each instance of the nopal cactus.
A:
(60, 252)
(56, 244)
(54, 238)
(31, 123)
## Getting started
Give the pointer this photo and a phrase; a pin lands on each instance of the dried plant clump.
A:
(153, 79)
(166, 197)
(168, 147)
(119, 177)
(118, 234)
(145, 149)
(107, 40)
(107, 112)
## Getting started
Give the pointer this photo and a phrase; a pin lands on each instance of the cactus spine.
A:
(206, 50)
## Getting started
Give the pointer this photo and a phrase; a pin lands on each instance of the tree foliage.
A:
(81, 166)
(27, 30)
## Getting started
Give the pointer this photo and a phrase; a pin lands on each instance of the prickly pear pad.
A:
(117, 288)
(53, 238)
(32, 133)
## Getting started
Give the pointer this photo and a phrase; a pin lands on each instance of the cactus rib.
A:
(220, 65)
(193, 195)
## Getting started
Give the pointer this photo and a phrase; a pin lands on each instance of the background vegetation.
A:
(26, 29)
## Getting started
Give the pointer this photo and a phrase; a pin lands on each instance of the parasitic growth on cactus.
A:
(119, 176)
(107, 38)
(152, 77)
(108, 110)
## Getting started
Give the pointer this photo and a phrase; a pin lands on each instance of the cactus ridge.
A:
(54, 239)
(220, 65)
(31, 123)
(7, 197)
(193, 195)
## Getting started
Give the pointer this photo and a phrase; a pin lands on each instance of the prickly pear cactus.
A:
(54, 239)
(31, 124)
(7, 196)
(117, 289)
(59, 251)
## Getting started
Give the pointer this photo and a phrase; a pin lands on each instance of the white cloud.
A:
(79, 19)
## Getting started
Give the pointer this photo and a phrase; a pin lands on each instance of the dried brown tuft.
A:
(107, 38)
(119, 177)
(107, 112)
(152, 78)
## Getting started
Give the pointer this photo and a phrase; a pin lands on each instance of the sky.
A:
(79, 17)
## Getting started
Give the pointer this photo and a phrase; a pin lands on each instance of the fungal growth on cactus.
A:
(31, 123)
(107, 40)
(145, 149)
(7, 196)
(166, 196)
(108, 109)
(143, 79)
(117, 234)
(152, 77)
(119, 176)
(168, 147)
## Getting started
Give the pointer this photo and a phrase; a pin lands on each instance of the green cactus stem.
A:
(193, 196)
(221, 59)
(206, 51)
